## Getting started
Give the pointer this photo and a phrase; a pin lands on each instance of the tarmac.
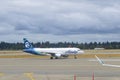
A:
(16, 65)
(57, 69)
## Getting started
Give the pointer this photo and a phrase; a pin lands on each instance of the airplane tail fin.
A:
(27, 44)
(100, 61)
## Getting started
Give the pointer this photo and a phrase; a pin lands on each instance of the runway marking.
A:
(29, 75)
(105, 60)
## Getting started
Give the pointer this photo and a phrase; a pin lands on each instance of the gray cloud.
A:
(60, 17)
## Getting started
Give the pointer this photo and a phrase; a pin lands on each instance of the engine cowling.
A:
(57, 55)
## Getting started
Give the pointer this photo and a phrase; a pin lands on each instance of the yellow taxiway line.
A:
(29, 75)
(1, 74)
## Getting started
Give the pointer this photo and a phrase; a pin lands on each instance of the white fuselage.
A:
(59, 50)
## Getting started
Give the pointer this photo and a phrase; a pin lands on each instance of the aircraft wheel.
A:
(75, 57)
(51, 57)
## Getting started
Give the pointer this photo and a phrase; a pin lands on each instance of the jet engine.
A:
(57, 56)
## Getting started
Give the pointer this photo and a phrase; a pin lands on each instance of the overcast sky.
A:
(60, 20)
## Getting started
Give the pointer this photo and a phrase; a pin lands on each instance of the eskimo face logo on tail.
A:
(27, 45)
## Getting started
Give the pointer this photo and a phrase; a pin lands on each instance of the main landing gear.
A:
(53, 57)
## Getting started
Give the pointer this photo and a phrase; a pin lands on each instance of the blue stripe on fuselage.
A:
(31, 51)
(71, 52)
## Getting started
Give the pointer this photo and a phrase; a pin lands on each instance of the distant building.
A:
(99, 48)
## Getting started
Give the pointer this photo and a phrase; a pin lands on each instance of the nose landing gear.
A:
(75, 57)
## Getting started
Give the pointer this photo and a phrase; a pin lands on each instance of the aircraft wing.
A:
(103, 64)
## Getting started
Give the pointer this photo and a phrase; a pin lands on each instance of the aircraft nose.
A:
(81, 52)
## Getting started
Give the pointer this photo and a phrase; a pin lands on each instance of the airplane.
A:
(103, 64)
(52, 52)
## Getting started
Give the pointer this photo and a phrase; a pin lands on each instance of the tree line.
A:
(90, 45)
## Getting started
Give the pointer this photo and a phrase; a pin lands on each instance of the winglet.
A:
(100, 61)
